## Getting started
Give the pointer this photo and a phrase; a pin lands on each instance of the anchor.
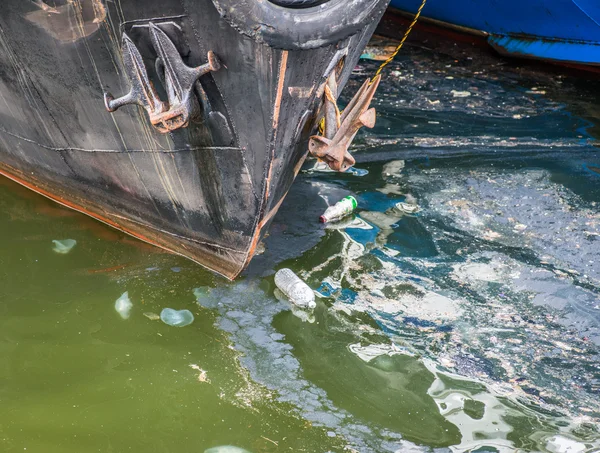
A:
(341, 128)
(178, 78)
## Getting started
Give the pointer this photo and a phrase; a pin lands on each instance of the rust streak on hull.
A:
(276, 111)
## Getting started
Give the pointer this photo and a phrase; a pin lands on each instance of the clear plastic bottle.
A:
(298, 292)
(339, 210)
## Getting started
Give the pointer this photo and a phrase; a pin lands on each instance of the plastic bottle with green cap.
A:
(339, 210)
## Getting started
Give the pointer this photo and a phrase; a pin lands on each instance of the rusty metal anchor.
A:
(340, 129)
(178, 78)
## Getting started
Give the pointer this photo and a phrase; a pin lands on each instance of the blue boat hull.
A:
(561, 31)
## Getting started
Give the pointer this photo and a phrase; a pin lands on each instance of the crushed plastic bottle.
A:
(339, 210)
(298, 292)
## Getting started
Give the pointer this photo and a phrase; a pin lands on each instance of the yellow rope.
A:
(408, 30)
(384, 64)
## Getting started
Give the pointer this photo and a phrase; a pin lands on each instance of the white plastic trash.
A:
(407, 208)
(298, 292)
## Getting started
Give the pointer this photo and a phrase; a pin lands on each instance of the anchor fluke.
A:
(179, 81)
(334, 150)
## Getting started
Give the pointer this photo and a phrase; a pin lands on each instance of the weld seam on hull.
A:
(120, 151)
(175, 235)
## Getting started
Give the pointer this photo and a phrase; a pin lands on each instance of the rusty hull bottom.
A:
(225, 262)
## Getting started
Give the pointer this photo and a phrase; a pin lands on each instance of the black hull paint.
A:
(207, 191)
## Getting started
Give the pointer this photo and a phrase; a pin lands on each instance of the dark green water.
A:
(472, 325)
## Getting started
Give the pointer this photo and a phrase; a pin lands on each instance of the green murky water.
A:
(76, 377)
(471, 325)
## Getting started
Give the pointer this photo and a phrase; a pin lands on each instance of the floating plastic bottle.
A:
(63, 246)
(298, 292)
(151, 316)
(176, 318)
(339, 210)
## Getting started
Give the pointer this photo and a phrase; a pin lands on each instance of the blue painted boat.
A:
(559, 31)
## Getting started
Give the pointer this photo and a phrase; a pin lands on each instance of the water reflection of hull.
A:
(208, 189)
(556, 31)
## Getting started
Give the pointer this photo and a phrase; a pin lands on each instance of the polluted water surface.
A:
(457, 308)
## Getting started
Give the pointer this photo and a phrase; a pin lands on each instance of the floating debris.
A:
(519, 227)
(202, 374)
(460, 94)
(123, 305)
(407, 208)
(176, 318)
(372, 351)
(64, 246)
(151, 316)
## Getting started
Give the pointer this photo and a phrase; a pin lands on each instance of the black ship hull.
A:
(203, 183)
